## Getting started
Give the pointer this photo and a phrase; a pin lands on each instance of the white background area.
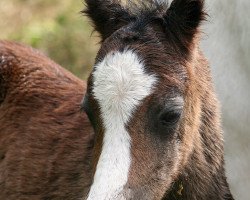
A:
(226, 43)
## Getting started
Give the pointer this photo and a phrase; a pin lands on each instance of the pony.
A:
(45, 139)
(148, 127)
(151, 102)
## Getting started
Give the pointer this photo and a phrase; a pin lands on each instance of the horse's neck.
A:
(203, 178)
(197, 184)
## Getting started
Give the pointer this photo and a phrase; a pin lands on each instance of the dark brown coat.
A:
(46, 142)
(166, 39)
(45, 138)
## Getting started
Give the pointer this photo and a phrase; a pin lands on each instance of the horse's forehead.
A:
(120, 83)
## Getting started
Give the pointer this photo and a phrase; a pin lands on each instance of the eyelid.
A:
(170, 117)
(175, 103)
(171, 111)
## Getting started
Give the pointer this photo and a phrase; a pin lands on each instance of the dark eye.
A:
(170, 118)
(85, 103)
(87, 108)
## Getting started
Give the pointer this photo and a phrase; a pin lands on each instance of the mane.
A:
(137, 6)
(142, 8)
(147, 7)
(180, 19)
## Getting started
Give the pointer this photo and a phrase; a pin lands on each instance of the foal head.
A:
(143, 95)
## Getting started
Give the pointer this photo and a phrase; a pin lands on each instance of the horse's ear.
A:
(106, 15)
(183, 18)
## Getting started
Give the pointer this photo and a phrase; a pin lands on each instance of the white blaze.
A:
(120, 84)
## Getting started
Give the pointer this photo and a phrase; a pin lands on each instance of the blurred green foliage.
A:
(55, 27)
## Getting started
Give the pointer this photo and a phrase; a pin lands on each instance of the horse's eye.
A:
(86, 107)
(170, 118)
(85, 103)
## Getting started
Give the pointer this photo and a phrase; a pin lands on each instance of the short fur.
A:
(187, 161)
(46, 143)
(45, 140)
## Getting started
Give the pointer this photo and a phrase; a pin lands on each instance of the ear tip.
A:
(203, 13)
(106, 16)
(183, 19)
(192, 10)
(180, 3)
